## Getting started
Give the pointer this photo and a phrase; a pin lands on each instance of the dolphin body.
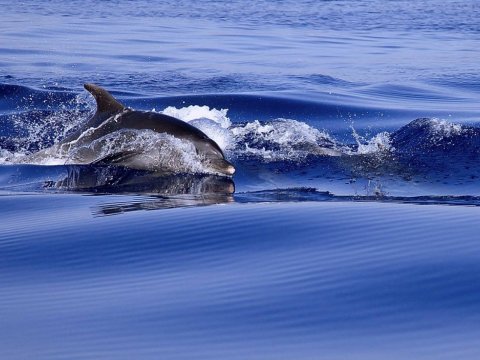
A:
(112, 116)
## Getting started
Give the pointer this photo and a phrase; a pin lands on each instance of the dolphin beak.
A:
(230, 170)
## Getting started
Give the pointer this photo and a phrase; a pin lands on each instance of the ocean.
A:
(348, 231)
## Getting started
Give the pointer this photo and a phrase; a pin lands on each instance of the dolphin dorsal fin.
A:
(106, 103)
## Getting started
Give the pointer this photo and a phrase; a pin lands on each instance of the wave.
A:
(435, 135)
(272, 153)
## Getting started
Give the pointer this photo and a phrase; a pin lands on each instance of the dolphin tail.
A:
(106, 103)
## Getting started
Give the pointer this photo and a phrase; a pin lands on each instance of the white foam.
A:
(195, 112)
(56, 126)
(6, 156)
(440, 129)
(282, 139)
(380, 143)
(213, 122)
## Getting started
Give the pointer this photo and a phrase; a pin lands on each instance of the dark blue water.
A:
(349, 230)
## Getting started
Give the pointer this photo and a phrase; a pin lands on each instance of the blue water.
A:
(349, 230)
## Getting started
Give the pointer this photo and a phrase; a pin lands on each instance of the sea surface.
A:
(350, 229)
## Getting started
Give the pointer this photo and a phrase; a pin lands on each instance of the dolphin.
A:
(112, 116)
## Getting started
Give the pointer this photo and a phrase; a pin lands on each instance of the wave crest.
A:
(282, 139)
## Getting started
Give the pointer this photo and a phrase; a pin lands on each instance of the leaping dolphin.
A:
(113, 116)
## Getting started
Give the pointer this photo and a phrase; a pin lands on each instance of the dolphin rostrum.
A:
(112, 116)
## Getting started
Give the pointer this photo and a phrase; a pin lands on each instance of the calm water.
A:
(353, 230)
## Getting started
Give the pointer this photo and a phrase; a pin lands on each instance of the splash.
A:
(443, 129)
(378, 144)
(213, 122)
(152, 150)
(37, 130)
(277, 140)
(195, 112)
(136, 149)
(6, 156)
(282, 139)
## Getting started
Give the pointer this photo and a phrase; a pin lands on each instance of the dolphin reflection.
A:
(118, 179)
